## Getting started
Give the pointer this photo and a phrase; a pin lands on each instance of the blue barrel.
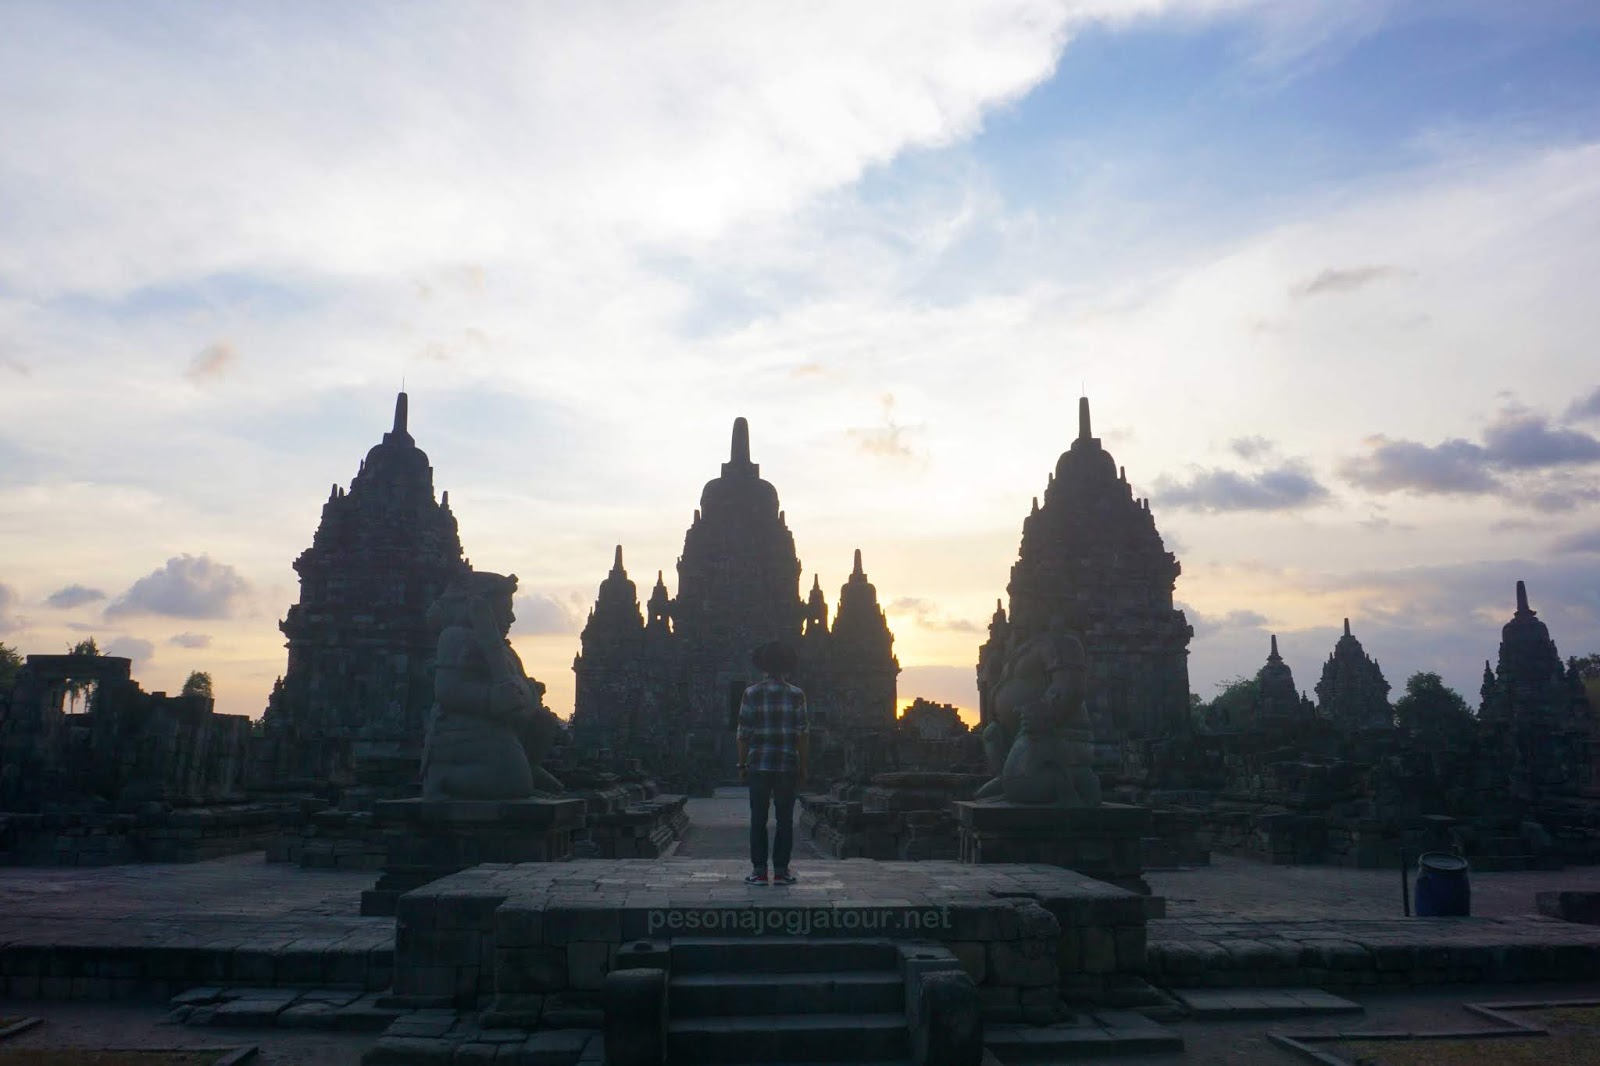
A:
(1443, 888)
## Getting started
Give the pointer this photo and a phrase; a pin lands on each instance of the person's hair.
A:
(775, 658)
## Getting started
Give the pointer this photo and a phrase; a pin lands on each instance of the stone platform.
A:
(430, 839)
(516, 935)
(1103, 842)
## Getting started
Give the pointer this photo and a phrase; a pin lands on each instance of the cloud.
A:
(542, 615)
(1251, 448)
(73, 596)
(1525, 440)
(1516, 444)
(190, 640)
(1455, 466)
(1587, 540)
(1208, 625)
(1288, 487)
(1585, 409)
(212, 362)
(188, 586)
(8, 600)
(140, 651)
(927, 614)
(1339, 281)
(888, 441)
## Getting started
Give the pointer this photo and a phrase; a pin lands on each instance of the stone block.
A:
(973, 956)
(1130, 941)
(1099, 949)
(530, 969)
(408, 1051)
(563, 925)
(518, 927)
(553, 1047)
(1022, 963)
(587, 964)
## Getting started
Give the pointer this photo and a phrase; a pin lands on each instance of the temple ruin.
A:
(663, 689)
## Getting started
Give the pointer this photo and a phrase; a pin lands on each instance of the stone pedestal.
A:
(430, 839)
(1099, 842)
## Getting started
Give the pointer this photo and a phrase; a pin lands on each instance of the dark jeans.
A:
(777, 788)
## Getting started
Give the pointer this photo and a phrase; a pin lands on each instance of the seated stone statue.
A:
(1051, 762)
(488, 730)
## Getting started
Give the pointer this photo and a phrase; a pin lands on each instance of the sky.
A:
(1325, 269)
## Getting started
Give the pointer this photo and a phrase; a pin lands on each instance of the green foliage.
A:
(77, 689)
(198, 684)
(10, 663)
(1429, 706)
(1234, 704)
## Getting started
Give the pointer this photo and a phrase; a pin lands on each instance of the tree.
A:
(75, 688)
(1429, 707)
(198, 684)
(1234, 705)
(1588, 667)
(10, 663)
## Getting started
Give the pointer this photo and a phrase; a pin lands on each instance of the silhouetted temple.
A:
(1352, 693)
(1278, 701)
(359, 681)
(1092, 563)
(663, 689)
(1539, 712)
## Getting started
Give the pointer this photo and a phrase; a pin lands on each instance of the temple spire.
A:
(1274, 654)
(740, 452)
(1083, 418)
(857, 571)
(616, 562)
(1347, 627)
(1522, 598)
(401, 404)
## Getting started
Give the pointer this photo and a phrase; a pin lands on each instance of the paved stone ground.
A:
(719, 828)
(120, 1025)
(1226, 1043)
(1244, 889)
(240, 887)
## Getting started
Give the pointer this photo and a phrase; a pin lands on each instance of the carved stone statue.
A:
(488, 730)
(1051, 761)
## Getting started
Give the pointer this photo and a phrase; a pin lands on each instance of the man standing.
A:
(773, 741)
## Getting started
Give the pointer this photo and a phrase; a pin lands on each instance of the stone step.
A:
(781, 955)
(1233, 1004)
(789, 1038)
(704, 995)
(1103, 1033)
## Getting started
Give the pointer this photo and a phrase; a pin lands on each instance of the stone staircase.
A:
(764, 1000)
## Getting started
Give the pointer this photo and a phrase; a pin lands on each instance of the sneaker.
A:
(783, 878)
(758, 878)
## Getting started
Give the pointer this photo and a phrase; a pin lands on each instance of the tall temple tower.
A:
(359, 683)
(608, 667)
(1352, 693)
(738, 587)
(672, 703)
(1092, 563)
(1540, 712)
(860, 662)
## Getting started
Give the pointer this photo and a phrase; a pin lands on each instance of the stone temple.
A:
(663, 688)
(1352, 692)
(1538, 713)
(1092, 563)
(355, 698)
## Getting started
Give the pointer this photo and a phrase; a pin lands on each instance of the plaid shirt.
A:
(772, 716)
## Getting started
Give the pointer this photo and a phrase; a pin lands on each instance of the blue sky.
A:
(1323, 268)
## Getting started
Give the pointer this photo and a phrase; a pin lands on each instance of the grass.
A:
(1574, 1040)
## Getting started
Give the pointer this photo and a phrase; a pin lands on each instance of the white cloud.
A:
(188, 586)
